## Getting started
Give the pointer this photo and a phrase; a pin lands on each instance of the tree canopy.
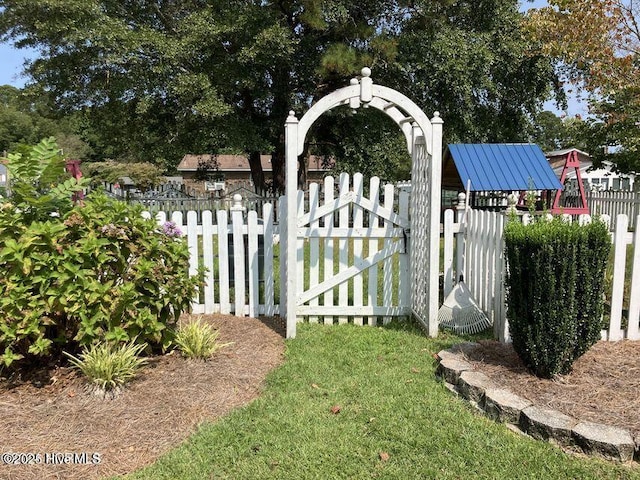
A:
(596, 46)
(152, 81)
(552, 132)
(26, 119)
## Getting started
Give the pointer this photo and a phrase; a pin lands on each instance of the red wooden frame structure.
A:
(73, 168)
(572, 161)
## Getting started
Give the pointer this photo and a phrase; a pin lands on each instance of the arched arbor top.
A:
(363, 92)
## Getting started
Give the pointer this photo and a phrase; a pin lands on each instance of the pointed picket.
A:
(328, 245)
(314, 247)
(223, 261)
(207, 255)
(387, 266)
(253, 263)
(269, 277)
(372, 293)
(343, 246)
(358, 218)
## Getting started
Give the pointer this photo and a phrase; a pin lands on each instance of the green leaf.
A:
(9, 357)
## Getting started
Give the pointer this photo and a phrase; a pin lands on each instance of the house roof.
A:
(557, 158)
(245, 192)
(240, 163)
(498, 167)
(563, 152)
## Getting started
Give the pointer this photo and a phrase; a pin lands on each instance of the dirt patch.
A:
(602, 387)
(153, 414)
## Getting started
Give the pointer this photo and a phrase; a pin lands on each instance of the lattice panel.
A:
(420, 216)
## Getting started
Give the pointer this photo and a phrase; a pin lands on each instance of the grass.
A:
(390, 404)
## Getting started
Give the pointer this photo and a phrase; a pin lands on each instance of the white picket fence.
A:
(351, 260)
(235, 249)
(614, 203)
(477, 238)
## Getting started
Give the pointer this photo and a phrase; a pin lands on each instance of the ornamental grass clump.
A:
(109, 366)
(555, 285)
(197, 339)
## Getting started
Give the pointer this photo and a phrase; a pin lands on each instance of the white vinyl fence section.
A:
(614, 203)
(237, 250)
(477, 238)
(351, 254)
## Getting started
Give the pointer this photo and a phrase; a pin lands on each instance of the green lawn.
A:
(383, 381)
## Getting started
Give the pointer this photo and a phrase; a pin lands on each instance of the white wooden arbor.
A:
(424, 143)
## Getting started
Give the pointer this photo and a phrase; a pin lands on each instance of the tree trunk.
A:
(280, 169)
(278, 166)
(303, 167)
(257, 174)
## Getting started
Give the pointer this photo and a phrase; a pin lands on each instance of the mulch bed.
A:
(153, 414)
(603, 387)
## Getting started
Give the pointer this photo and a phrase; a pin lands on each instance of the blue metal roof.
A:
(503, 166)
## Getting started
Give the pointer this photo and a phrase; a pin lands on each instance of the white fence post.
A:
(448, 253)
(633, 332)
(291, 158)
(620, 250)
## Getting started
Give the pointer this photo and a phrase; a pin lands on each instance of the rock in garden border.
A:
(541, 423)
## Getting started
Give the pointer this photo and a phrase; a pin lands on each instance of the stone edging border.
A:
(541, 423)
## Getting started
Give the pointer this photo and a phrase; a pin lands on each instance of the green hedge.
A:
(555, 285)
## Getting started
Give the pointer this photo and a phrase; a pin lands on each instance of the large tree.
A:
(553, 132)
(158, 79)
(596, 46)
(26, 119)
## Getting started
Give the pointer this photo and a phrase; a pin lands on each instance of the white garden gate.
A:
(424, 143)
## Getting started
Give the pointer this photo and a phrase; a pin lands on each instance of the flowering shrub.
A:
(95, 272)
(171, 229)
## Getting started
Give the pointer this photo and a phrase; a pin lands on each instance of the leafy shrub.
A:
(555, 284)
(39, 185)
(98, 271)
(197, 339)
(109, 366)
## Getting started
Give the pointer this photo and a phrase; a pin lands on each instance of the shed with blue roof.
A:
(497, 167)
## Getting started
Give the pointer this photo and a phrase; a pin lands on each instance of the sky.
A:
(12, 60)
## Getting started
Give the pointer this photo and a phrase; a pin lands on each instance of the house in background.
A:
(593, 179)
(226, 173)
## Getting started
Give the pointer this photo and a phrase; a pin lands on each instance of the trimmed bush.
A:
(555, 284)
